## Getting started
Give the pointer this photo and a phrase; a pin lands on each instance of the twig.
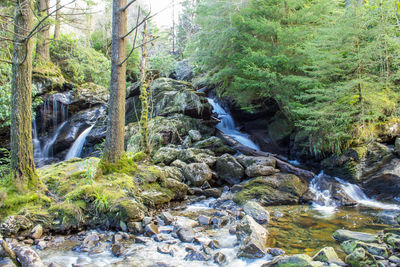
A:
(127, 5)
(135, 47)
(147, 17)
(10, 253)
(134, 40)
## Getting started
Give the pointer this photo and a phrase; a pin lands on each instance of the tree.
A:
(144, 129)
(114, 149)
(43, 36)
(58, 18)
(22, 164)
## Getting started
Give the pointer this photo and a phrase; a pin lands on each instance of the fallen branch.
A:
(9, 253)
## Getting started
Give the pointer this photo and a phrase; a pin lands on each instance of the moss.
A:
(124, 165)
(70, 213)
(139, 156)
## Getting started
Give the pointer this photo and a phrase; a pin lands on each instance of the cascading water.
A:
(47, 149)
(323, 201)
(76, 149)
(227, 126)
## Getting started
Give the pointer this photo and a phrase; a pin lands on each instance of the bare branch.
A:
(134, 40)
(6, 61)
(136, 47)
(147, 17)
(127, 5)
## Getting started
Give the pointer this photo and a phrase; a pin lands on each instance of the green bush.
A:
(78, 63)
(163, 62)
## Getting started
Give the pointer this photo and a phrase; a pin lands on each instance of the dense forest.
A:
(222, 133)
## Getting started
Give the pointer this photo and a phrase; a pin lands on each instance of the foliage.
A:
(4, 163)
(78, 63)
(164, 62)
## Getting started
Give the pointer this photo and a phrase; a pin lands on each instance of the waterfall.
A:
(37, 148)
(322, 187)
(76, 149)
(227, 126)
(47, 149)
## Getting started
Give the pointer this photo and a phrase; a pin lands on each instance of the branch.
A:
(135, 47)
(6, 39)
(147, 17)
(127, 5)
(134, 40)
(6, 61)
(10, 253)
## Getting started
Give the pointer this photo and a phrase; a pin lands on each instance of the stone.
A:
(397, 145)
(298, 260)
(91, 240)
(256, 211)
(167, 218)
(212, 192)
(37, 232)
(116, 250)
(15, 223)
(214, 244)
(117, 238)
(195, 255)
(219, 258)
(151, 229)
(203, 220)
(276, 251)
(185, 234)
(260, 170)
(123, 226)
(328, 255)
(253, 238)
(184, 70)
(197, 173)
(229, 169)
(165, 249)
(360, 258)
(373, 248)
(343, 235)
(195, 155)
(248, 161)
(394, 259)
(135, 227)
(195, 135)
(166, 155)
(174, 173)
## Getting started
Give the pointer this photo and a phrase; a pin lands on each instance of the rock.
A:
(260, 170)
(174, 173)
(328, 255)
(27, 256)
(183, 222)
(116, 250)
(151, 229)
(256, 211)
(373, 248)
(14, 224)
(53, 264)
(197, 173)
(397, 146)
(196, 256)
(229, 169)
(135, 227)
(183, 70)
(178, 164)
(166, 155)
(215, 144)
(298, 260)
(195, 155)
(248, 161)
(394, 259)
(212, 192)
(360, 258)
(117, 238)
(219, 258)
(343, 235)
(178, 189)
(195, 135)
(276, 251)
(280, 189)
(37, 231)
(167, 218)
(392, 240)
(185, 234)
(253, 238)
(123, 226)
(165, 249)
(203, 220)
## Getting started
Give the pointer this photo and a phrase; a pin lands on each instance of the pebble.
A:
(219, 258)
(203, 220)
(116, 250)
(151, 229)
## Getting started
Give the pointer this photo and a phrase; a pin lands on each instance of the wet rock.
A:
(28, 241)
(373, 248)
(123, 226)
(360, 258)
(212, 192)
(203, 220)
(27, 256)
(328, 255)
(183, 70)
(195, 155)
(140, 240)
(215, 144)
(183, 222)
(219, 258)
(15, 223)
(116, 250)
(253, 238)
(256, 211)
(167, 218)
(260, 170)
(298, 260)
(392, 240)
(117, 238)
(394, 259)
(151, 229)
(37, 231)
(214, 244)
(195, 135)
(343, 235)
(276, 251)
(91, 241)
(166, 155)
(229, 169)
(216, 222)
(174, 173)
(53, 264)
(197, 173)
(196, 256)
(248, 161)
(185, 234)
(41, 245)
(136, 227)
(166, 249)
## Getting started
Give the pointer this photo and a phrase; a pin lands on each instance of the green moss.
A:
(70, 213)
(139, 156)
(124, 165)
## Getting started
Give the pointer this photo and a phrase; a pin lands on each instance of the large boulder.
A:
(229, 169)
(195, 155)
(166, 155)
(298, 260)
(344, 235)
(197, 173)
(183, 70)
(256, 211)
(328, 255)
(260, 170)
(248, 161)
(15, 224)
(280, 189)
(253, 238)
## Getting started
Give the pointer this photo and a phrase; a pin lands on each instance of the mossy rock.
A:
(280, 189)
(128, 210)
(70, 214)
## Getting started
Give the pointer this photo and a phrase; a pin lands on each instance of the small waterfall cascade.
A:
(323, 186)
(77, 146)
(227, 126)
(53, 115)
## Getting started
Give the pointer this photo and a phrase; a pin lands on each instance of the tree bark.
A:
(114, 148)
(144, 128)
(22, 164)
(43, 45)
(58, 20)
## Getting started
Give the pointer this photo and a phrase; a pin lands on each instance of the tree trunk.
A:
(144, 128)
(43, 45)
(22, 164)
(58, 20)
(114, 148)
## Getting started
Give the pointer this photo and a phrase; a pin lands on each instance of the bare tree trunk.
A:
(114, 148)
(58, 20)
(144, 128)
(23, 168)
(43, 45)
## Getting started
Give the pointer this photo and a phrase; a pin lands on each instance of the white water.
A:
(324, 203)
(76, 149)
(227, 126)
(47, 149)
